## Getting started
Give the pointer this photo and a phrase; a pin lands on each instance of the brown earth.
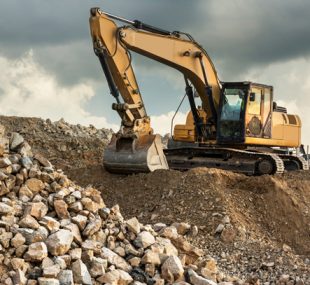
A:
(276, 208)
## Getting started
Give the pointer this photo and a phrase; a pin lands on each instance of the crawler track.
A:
(242, 161)
(292, 162)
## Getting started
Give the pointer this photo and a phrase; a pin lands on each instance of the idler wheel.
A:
(265, 166)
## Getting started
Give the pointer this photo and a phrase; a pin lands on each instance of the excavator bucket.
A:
(127, 155)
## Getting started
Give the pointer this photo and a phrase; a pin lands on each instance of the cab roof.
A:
(245, 84)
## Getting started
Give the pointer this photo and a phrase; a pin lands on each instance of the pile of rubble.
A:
(55, 232)
(64, 128)
(65, 145)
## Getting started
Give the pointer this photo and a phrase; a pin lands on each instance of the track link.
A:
(303, 163)
(241, 161)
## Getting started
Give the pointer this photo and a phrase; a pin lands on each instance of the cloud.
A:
(27, 89)
(237, 35)
(162, 123)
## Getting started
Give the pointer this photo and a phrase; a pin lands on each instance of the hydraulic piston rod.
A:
(136, 23)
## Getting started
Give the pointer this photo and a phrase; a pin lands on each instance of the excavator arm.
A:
(135, 148)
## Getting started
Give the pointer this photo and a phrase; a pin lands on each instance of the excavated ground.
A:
(250, 225)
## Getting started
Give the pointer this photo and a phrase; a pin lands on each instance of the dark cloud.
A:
(238, 34)
(265, 40)
(58, 31)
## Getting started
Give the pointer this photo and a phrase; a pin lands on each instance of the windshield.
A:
(233, 104)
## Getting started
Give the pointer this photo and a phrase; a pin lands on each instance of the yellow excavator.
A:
(238, 126)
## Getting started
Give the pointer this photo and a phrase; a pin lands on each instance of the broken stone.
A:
(59, 243)
(74, 229)
(51, 271)
(133, 225)
(172, 269)
(219, 229)
(26, 162)
(37, 210)
(116, 277)
(19, 277)
(65, 277)
(3, 176)
(169, 232)
(18, 240)
(195, 279)
(25, 150)
(36, 252)
(19, 263)
(5, 209)
(29, 222)
(182, 228)
(5, 162)
(92, 227)
(61, 209)
(48, 281)
(97, 267)
(80, 273)
(209, 270)
(144, 240)
(35, 185)
(75, 253)
(90, 205)
(92, 245)
(15, 141)
(47, 262)
(25, 193)
(43, 161)
(151, 258)
(115, 259)
(5, 239)
(50, 223)
(80, 220)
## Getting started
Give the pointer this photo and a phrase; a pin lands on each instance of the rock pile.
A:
(64, 128)
(65, 145)
(55, 232)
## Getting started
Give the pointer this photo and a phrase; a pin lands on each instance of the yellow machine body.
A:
(233, 116)
(264, 126)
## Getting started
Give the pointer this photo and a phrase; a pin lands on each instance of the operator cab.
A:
(245, 111)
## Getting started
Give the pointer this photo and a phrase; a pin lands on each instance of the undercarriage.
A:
(247, 161)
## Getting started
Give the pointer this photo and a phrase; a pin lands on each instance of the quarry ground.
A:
(252, 226)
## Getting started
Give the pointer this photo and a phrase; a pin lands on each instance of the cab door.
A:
(254, 112)
(258, 118)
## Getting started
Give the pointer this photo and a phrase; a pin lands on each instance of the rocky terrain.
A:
(255, 229)
(67, 146)
(53, 231)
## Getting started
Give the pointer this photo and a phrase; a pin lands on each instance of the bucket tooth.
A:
(128, 155)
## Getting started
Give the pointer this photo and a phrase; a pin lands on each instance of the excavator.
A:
(236, 127)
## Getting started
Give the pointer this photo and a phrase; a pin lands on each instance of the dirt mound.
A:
(250, 221)
(272, 207)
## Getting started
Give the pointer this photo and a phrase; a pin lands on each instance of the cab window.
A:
(233, 104)
(254, 107)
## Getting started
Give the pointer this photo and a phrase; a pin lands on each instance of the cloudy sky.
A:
(48, 68)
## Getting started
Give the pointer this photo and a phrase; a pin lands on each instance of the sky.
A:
(49, 70)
